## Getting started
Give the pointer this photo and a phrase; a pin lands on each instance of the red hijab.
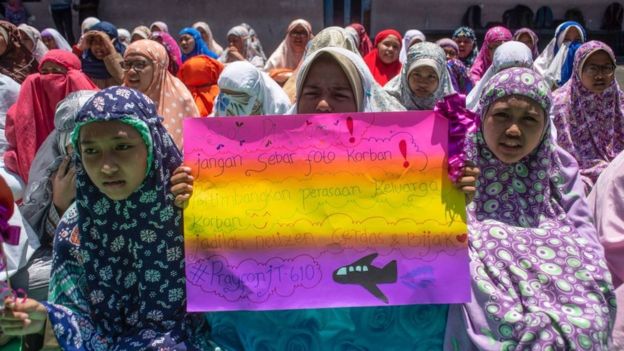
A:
(381, 71)
(31, 118)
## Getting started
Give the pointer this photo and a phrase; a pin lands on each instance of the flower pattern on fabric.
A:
(538, 283)
(590, 126)
(112, 289)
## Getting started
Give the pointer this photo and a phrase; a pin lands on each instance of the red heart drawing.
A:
(462, 238)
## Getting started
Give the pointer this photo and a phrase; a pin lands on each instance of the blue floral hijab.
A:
(201, 48)
(131, 293)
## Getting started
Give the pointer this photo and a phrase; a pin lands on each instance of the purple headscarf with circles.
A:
(537, 281)
(590, 126)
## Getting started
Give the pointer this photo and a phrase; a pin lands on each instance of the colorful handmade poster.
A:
(317, 211)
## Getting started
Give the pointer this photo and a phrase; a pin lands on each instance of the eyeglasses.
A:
(138, 66)
(298, 34)
(595, 70)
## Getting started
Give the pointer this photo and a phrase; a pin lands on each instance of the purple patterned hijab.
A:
(537, 281)
(590, 126)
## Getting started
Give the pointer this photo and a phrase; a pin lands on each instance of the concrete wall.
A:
(271, 17)
(447, 14)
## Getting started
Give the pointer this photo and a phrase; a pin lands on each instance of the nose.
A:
(323, 106)
(513, 130)
(108, 166)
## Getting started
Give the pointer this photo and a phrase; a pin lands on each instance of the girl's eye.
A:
(500, 115)
(123, 147)
(530, 119)
(89, 151)
(342, 96)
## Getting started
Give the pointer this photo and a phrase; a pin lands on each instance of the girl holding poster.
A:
(118, 275)
(539, 282)
(331, 80)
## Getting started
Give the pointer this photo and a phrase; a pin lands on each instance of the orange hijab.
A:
(173, 99)
(200, 75)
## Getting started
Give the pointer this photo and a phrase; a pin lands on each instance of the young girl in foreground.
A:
(118, 269)
(538, 281)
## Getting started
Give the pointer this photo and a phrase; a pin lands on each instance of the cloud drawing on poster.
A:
(254, 281)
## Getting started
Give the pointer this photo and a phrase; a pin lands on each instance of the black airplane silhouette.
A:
(363, 273)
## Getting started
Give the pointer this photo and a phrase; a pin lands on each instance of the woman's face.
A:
(492, 48)
(203, 34)
(389, 49)
(572, 34)
(298, 38)
(526, 39)
(598, 72)
(155, 28)
(326, 89)
(135, 37)
(513, 127)
(49, 42)
(187, 43)
(98, 47)
(50, 67)
(114, 157)
(25, 40)
(235, 41)
(414, 42)
(423, 81)
(450, 52)
(139, 72)
(465, 46)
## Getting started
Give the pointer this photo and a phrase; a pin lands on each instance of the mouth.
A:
(134, 81)
(510, 146)
(421, 92)
(114, 184)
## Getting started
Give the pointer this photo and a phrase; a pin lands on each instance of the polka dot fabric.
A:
(537, 283)
(173, 99)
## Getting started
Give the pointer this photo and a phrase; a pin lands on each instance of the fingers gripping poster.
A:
(316, 211)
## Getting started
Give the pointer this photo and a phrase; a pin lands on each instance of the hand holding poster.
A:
(323, 211)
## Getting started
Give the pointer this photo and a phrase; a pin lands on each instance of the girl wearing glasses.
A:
(290, 51)
(587, 111)
(145, 65)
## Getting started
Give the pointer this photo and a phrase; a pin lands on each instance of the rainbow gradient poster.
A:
(331, 210)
